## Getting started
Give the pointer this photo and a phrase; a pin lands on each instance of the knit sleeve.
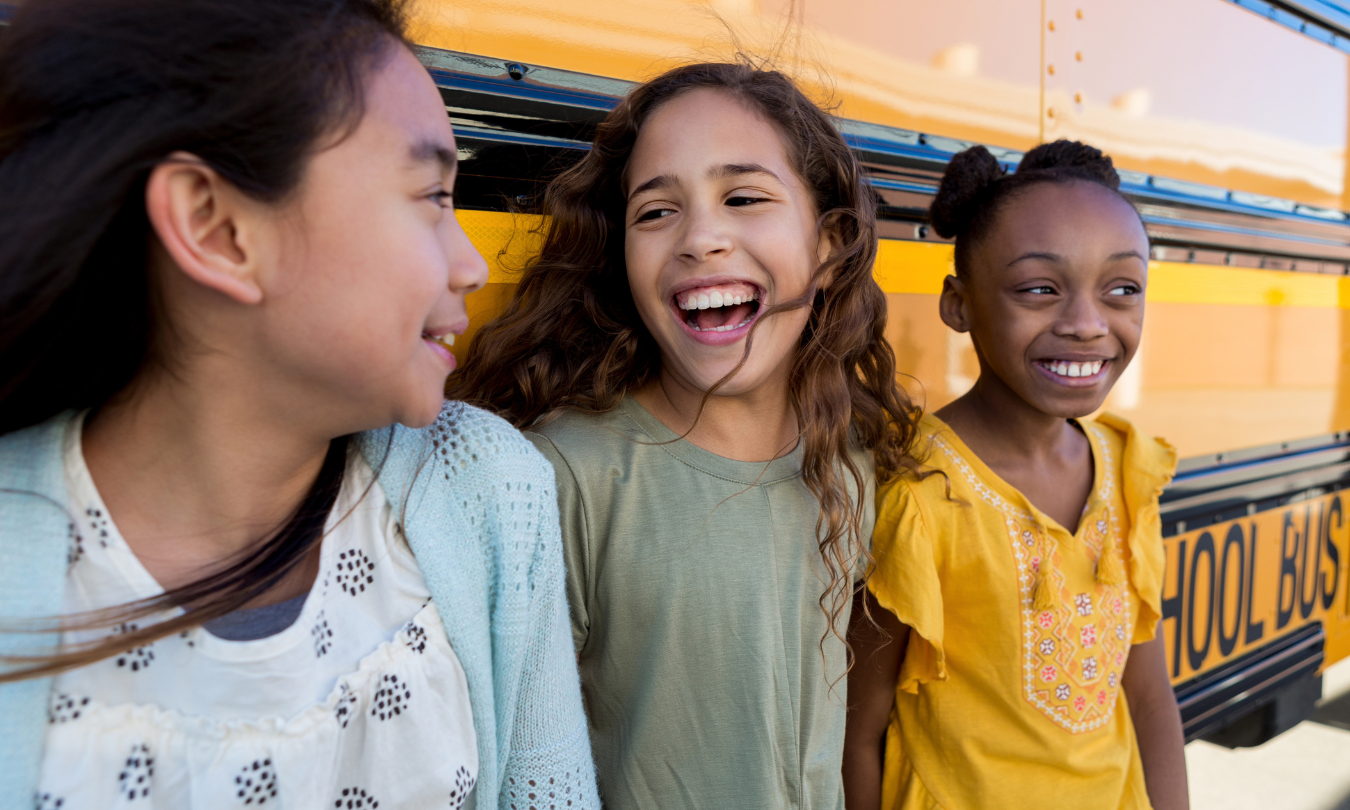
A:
(906, 582)
(549, 766)
(575, 538)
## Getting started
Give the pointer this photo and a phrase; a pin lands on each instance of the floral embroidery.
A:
(1084, 604)
(1073, 653)
(391, 699)
(256, 783)
(134, 781)
(463, 785)
(46, 801)
(355, 798)
(322, 635)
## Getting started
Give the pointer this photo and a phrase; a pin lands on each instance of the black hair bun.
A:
(1074, 159)
(966, 185)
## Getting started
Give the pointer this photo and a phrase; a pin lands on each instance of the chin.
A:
(1073, 410)
(422, 413)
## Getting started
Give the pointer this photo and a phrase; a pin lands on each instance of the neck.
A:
(998, 424)
(757, 425)
(195, 475)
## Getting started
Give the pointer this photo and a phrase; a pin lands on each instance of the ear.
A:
(201, 220)
(831, 241)
(952, 305)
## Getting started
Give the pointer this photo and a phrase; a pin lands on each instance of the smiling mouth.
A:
(447, 340)
(1072, 370)
(718, 308)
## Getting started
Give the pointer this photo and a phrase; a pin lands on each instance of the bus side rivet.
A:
(515, 71)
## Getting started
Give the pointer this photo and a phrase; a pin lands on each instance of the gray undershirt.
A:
(251, 624)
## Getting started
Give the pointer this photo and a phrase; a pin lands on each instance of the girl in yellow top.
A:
(1015, 661)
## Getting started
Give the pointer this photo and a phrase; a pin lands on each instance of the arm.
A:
(878, 651)
(1157, 725)
(550, 743)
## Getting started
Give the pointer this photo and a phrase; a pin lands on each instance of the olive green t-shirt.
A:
(694, 582)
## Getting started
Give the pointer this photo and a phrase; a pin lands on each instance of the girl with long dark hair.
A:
(248, 555)
(699, 350)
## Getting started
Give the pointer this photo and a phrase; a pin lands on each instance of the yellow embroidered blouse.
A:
(1006, 699)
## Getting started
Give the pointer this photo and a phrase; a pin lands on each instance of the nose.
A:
(1082, 318)
(468, 268)
(705, 235)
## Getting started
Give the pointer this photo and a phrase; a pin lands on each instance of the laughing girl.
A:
(699, 351)
(1017, 661)
(287, 572)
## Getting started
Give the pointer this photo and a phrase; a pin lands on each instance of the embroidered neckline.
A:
(1077, 691)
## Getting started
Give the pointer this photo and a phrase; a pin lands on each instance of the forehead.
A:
(705, 128)
(1077, 220)
(403, 106)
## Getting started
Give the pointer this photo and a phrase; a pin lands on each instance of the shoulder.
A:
(30, 459)
(1140, 455)
(471, 445)
(573, 432)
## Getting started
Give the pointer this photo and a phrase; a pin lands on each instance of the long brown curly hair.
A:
(571, 336)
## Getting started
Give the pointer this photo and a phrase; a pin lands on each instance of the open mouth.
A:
(718, 308)
(1073, 370)
(446, 341)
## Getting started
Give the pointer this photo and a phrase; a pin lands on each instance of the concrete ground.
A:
(1306, 768)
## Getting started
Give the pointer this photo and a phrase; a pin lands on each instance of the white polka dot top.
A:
(361, 703)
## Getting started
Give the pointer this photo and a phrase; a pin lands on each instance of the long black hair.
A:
(93, 95)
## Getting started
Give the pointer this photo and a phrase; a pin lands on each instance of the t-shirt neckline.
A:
(750, 473)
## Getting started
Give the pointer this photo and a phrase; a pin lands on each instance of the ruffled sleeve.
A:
(1147, 466)
(905, 580)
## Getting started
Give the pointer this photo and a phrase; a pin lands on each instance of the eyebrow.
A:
(717, 172)
(738, 169)
(1058, 259)
(431, 151)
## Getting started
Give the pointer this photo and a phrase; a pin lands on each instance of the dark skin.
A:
(1054, 304)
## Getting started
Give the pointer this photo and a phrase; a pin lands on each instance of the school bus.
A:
(1229, 120)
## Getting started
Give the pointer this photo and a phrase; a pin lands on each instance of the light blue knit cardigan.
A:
(480, 513)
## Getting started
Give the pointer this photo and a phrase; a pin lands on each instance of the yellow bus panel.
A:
(1197, 90)
(1233, 587)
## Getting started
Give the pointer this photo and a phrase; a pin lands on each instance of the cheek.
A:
(360, 299)
(642, 264)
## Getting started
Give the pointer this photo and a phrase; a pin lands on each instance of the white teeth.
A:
(714, 300)
(1065, 369)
